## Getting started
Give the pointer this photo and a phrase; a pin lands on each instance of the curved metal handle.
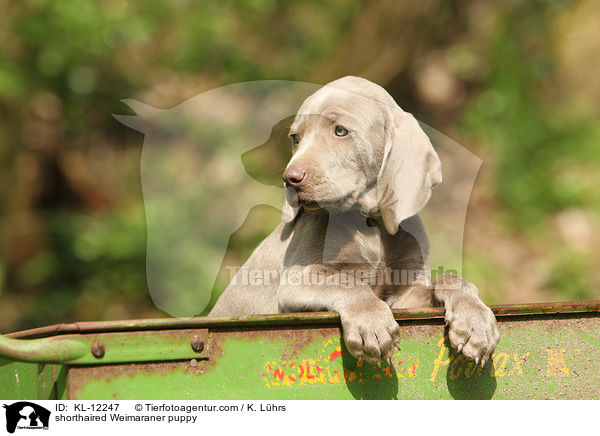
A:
(50, 350)
(107, 348)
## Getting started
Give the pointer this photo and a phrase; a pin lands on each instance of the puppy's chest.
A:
(337, 240)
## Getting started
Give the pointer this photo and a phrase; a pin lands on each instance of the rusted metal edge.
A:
(316, 318)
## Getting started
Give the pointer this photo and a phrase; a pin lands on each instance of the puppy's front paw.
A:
(472, 328)
(370, 331)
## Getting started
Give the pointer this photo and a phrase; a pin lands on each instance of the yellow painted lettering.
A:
(499, 368)
(518, 361)
(456, 366)
(470, 368)
(556, 364)
(439, 362)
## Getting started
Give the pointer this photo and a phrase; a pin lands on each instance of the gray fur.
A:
(357, 212)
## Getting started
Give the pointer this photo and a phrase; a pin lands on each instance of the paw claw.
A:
(371, 332)
(473, 331)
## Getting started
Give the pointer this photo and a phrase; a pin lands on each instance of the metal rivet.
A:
(194, 363)
(98, 349)
(197, 344)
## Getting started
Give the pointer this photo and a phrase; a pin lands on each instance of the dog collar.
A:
(371, 214)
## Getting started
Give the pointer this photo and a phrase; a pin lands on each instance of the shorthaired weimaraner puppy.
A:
(350, 239)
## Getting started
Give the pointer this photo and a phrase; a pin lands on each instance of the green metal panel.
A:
(535, 359)
(18, 381)
(30, 381)
(546, 351)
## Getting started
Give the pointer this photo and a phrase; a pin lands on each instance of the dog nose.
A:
(294, 176)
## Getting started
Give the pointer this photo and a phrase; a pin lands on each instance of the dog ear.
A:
(409, 170)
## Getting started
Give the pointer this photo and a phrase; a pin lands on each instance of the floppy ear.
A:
(409, 170)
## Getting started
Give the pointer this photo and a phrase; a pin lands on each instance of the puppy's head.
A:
(354, 148)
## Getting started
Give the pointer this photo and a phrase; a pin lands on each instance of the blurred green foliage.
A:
(72, 224)
(541, 151)
(547, 154)
(64, 66)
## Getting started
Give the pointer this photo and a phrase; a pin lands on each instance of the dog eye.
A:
(295, 138)
(340, 131)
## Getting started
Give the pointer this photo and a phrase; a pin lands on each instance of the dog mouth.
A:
(296, 199)
(299, 199)
(309, 204)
